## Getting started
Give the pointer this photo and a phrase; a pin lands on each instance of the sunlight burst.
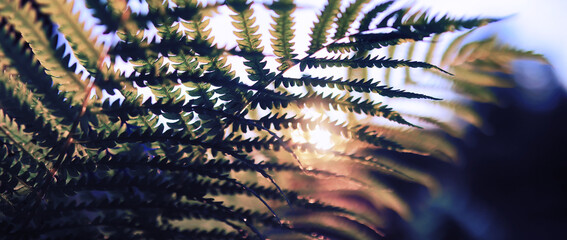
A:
(319, 137)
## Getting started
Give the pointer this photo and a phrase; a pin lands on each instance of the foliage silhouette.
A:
(225, 164)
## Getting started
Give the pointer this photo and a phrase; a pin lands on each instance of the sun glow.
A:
(320, 137)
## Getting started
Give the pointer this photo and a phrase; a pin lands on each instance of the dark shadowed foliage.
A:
(218, 155)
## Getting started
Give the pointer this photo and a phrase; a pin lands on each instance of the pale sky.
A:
(531, 25)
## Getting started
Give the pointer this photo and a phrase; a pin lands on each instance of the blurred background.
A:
(530, 25)
(512, 182)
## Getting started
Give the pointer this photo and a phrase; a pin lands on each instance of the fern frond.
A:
(489, 52)
(147, 135)
(297, 122)
(475, 92)
(15, 134)
(85, 47)
(453, 47)
(369, 41)
(283, 33)
(250, 41)
(433, 24)
(368, 17)
(320, 30)
(407, 71)
(209, 154)
(360, 85)
(431, 49)
(464, 112)
(361, 62)
(21, 61)
(347, 18)
(243, 22)
(20, 173)
(420, 142)
(106, 14)
(344, 103)
(463, 74)
(37, 34)
(170, 208)
(30, 113)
